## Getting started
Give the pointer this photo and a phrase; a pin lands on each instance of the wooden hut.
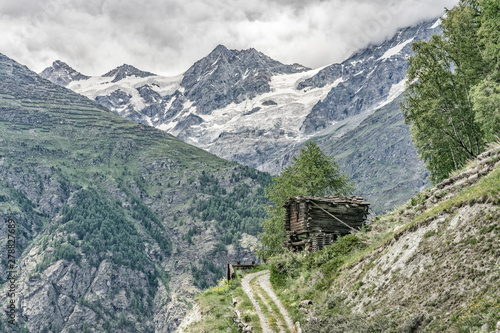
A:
(315, 222)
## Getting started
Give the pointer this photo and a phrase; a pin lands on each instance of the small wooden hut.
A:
(315, 222)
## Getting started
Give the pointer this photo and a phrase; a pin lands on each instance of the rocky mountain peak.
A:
(124, 71)
(61, 73)
(221, 55)
(254, 52)
(220, 49)
(369, 78)
(225, 76)
(61, 64)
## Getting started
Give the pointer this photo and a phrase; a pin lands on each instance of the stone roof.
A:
(334, 199)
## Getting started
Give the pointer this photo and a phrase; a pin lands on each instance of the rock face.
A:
(370, 78)
(111, 231)
(246, 107)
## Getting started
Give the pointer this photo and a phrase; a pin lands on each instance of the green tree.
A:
(489, 34)
(312, 173)
(486, 95)
(438, 103)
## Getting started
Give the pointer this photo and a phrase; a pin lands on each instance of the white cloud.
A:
(166, 37)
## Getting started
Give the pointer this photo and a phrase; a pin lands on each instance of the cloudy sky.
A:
(168, 36)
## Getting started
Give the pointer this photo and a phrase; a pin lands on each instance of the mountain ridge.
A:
(245, 107)
(126, 70)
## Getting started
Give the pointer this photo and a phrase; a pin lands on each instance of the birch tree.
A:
(438, 104)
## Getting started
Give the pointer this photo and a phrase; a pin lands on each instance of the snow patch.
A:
(148, 119)
(216, 60)
(188, 104)
(396, 90)
(337, 82)
(103, 86)
(207, 74)
(245, 75)
(436, 24)
(169, 104)
(167, 127)
(395, 50)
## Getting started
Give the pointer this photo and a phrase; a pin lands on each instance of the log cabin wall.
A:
(302, 215)
(308, 222)
(287, 219)
(295, 219)
(321, 239)
(321, 221)
(293, 215)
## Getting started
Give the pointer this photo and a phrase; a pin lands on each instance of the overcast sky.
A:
(167, 36)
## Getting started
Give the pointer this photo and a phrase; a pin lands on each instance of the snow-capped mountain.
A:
(246, 107)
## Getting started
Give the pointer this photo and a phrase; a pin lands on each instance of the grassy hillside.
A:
(430, 265)
(113, 218)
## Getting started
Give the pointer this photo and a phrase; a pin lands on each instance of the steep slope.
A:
(387, 173)
(245, 107)
(431, 265)
(118, 224)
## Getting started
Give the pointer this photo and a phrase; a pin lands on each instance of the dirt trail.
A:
(269, 309)
(265, 284)
(245, 285)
